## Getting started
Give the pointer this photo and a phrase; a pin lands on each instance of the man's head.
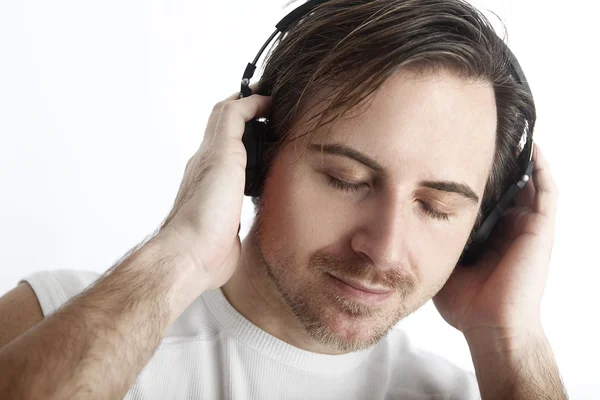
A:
(398, 122)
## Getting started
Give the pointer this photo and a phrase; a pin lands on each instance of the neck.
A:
(254, 295)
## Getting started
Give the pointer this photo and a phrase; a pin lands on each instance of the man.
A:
(362, 219)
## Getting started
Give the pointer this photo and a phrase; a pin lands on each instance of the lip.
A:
(360, 293)
(359, 286)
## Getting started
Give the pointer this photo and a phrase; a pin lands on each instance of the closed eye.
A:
(360, 186)
(347, 186)
(433, 212)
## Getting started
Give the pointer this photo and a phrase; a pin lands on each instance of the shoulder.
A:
(53, 288)
(36, 297)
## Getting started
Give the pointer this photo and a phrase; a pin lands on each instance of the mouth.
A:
(359, 291)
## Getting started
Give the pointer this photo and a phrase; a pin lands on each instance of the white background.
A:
(102, 104)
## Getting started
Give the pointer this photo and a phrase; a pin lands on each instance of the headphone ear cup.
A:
(478, 238)
(254, 142)
(469, 255)
(250, 143)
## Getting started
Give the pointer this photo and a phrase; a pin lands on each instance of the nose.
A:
(382, 238)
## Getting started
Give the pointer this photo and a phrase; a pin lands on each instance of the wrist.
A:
(515, 363)
(493, 341)
(185, 281)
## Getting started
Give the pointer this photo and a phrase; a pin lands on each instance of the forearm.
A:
(97, 343)
(515, 366)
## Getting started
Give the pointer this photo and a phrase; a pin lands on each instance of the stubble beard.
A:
(315, 306)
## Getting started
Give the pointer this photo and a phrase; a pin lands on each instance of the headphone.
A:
(258, 137)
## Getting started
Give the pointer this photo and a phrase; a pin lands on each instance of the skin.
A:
(425, 127)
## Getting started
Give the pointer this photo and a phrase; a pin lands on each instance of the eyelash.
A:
(433, 213)
(357, 187)
(346, 186)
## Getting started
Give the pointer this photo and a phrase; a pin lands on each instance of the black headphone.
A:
(258, 136)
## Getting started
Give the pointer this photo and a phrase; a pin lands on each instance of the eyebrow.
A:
(345, 151)
(453, 187)
(349, 152)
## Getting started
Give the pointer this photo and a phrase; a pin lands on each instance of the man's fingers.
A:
(230, 114)
(254, 87)
(546, 191)
(235, 113)
(236, 95)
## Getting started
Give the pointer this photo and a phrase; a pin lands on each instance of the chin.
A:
(345, 334)
(346, 326)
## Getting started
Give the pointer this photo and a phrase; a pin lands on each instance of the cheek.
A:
(436, 258)
(298, 209)
(440, 243)
(287, 218)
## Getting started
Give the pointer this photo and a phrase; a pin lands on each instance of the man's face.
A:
(353, 258)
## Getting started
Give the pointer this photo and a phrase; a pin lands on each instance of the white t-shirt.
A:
(213, 352)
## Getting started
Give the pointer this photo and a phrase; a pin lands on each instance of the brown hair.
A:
(354, 46)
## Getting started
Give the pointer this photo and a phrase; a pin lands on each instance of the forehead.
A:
(426, 125)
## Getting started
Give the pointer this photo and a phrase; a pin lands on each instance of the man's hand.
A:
(504, 289)
(496, 302)
(206, 215)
